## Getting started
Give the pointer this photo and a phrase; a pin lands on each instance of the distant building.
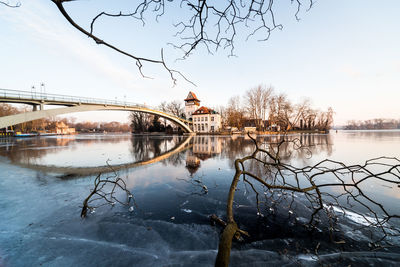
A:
(191, 105)
(206, 120)
(62, 128)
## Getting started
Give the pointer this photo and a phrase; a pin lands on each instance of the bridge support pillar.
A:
(37, 107)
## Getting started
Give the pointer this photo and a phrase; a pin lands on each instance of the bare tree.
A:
(280, 111)
(257, 100)
(347, 183)
(235, 112)
(175, 107)
(300, 111)
(7, 109)
(140, 121)
(324, 120)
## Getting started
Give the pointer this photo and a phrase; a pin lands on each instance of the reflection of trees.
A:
(145, 147)
(374, 134)
(26, 150)
(205, 147)
(239, 146)
(30, 149)
(148, 147)
(176, 159)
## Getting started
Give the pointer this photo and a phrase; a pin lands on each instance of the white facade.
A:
(190, 108)
(204, 120)
(205, 123)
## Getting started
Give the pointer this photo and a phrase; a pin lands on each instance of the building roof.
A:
(191, 96)
(204, 110)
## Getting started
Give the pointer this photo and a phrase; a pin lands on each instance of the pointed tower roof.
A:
(191, 96)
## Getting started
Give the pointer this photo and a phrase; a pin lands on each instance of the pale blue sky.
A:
(344, 54)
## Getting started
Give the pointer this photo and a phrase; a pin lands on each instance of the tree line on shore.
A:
(374, 124)
(266, 109)
(259, 107)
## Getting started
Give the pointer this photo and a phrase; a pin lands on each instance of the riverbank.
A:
(265, 132)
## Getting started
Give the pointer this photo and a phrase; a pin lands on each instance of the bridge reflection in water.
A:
(189, 151)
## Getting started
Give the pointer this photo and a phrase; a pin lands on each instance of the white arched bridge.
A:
(72, 104)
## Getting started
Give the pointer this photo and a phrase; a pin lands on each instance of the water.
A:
(43, 182)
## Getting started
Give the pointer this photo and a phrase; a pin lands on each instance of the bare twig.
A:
(7, 3)
(105, 193)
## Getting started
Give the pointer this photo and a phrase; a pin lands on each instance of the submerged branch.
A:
(105, 192)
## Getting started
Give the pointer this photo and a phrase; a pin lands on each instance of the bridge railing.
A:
(42, 97)
(39, 96)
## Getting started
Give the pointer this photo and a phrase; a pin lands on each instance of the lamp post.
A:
(33, 91)
(42, 89)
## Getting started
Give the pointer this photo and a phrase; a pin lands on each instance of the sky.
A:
(341, 54)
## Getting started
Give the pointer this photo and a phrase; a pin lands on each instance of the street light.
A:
(42, 87)
(33, 90)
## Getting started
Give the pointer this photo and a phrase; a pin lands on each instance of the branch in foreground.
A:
(105, 192)
(347, 184)
(139, 60)
(211, 24)
(7, 3)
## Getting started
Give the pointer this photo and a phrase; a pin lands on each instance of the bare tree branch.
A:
(7, 3)
(139, 60)
(347, 180)
(105, 192)
(206, 23)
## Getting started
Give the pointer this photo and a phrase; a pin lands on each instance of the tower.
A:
(191, 105)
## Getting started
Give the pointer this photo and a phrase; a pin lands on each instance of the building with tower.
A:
(205, 120)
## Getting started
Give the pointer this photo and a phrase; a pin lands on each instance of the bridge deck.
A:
(40, 98)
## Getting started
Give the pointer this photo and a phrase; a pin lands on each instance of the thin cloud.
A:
(46, 27)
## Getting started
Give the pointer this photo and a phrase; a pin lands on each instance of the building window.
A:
(212, 128)
(202, 127)
(206, 118)
(202, 118)
(199, 128)
(212, 118)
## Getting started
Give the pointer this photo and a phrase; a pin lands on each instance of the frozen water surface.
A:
(40, 222)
